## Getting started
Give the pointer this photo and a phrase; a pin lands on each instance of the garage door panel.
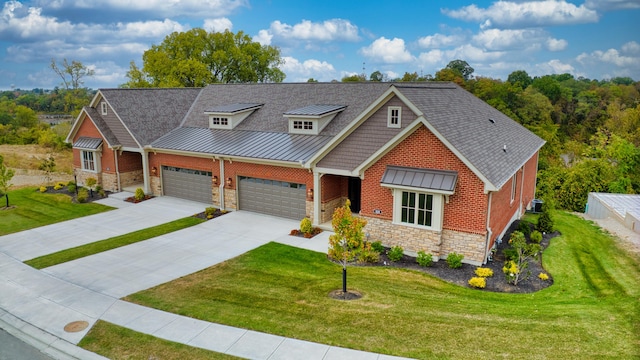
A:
(187, 184)
(273, 197)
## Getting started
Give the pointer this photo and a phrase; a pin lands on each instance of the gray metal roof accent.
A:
(243, 143)
(463, 120)
(431, 179)
(88, 143)
(232, 108)
(315, 110)
(150, 113)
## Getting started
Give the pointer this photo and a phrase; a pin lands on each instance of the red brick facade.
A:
(467, 207)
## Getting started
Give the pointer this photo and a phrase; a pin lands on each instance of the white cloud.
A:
(509, 39)
(264, 37)
(524, 14)
(554, 66)
(611, 56)
(328, 30)
(302, 71)
(139, 29)
(471, 53)
(631, 47)
(432, 57)
(218, 25)
(18, 22)
(608, 5)
(440, 40)
(556, 44)
(387, 51)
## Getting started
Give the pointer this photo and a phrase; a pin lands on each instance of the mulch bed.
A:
(215, 214)
(132, 199)
(461, 276)
(63, 190)
(298, 233)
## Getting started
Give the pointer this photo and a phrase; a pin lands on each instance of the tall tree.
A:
(197, 58)
(462, 67)
(520, 78)
(72, 74)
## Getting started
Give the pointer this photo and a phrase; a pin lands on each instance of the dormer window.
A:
(310, 120)
(103, 108)
(229, 116)
(394, 117)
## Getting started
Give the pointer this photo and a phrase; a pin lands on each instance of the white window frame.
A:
(103, 107)
(514, 187)
(394, 120)
(437, 208)
(220, 121)
(90, 165)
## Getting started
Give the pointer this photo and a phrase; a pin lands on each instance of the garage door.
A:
(272, 197)
(187, 184)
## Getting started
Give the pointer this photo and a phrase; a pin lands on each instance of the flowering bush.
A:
(484, 272)
(43, 189)
(511, 271)
(478, 282)
(58, 186)
(543, 276)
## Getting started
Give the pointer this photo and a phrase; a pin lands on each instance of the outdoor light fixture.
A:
(154, 170)
(215, 180)
(310, 194)
(229, 182)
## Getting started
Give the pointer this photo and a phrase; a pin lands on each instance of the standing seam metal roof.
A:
(432, 179)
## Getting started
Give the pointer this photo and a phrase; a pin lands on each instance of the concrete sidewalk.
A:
(38, 304)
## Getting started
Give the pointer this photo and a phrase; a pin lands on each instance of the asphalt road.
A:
(12, 348)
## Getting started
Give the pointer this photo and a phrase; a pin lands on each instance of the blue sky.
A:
(327, 39)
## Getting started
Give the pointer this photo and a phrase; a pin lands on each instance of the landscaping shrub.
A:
(209, 211)
(368, 254)
(58, 186)
(91, 182)
(424, 259)
(83, 195)
(43, 189)
(536, 236)
(139, 195)
(543, 276)
(395, 253)
(377, 246)
(524, 227)
(478, 282)
(71, 187)
(454, 260)
(484, 272)
(510, 253)
(516, 269)
(545, 222)
(306, 226)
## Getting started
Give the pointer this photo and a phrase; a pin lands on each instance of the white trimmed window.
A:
(103, 107)
(394, 117)
(417, 208)
(514, 186)
(89, 161)
(303, 125)
(223, 121)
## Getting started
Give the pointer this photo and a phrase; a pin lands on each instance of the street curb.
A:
(46, 343)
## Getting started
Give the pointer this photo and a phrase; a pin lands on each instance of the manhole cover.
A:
(76, 326)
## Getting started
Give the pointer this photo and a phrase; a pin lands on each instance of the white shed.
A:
(623, 208)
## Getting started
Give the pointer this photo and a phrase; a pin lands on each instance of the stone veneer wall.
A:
(309, 208)
(215, 194)
(156, 185)
(437, 243)
(230, 202)
(131, 178)
(109, 182)
(327, 208)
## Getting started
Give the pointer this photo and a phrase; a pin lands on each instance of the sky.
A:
(329, 39)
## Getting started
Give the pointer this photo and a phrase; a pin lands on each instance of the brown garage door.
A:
(278, 198)
(187, 184)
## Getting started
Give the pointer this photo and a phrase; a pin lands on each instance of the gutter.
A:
(489, 232)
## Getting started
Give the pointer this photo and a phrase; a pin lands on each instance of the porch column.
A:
(317, 198)
(145, 171)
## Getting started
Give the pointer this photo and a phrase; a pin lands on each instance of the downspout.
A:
(521, 193)
(221, 186)
(115, 150)
(489, 232)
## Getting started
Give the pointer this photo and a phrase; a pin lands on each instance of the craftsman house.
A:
(430, 166)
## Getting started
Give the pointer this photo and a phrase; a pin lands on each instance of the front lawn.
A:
(29, 208)
(592, 310)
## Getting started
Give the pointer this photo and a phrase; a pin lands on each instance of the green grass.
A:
(115, 342)
(591, 311)
(30, 209)
(111, 243)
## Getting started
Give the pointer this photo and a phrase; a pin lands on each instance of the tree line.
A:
(592, 127)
